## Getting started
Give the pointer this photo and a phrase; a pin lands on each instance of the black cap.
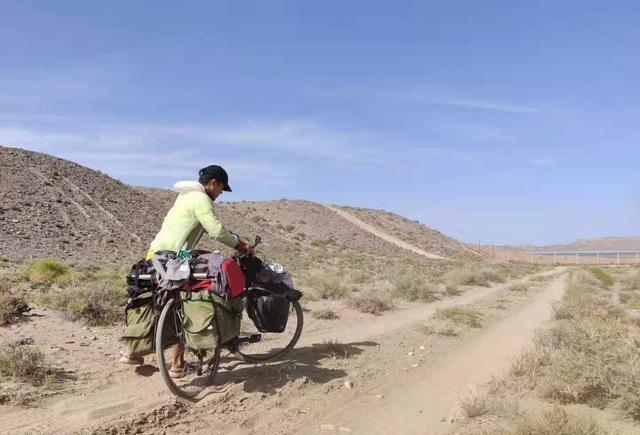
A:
(216, 172)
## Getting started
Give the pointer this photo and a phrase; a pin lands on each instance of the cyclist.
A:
(185, 223)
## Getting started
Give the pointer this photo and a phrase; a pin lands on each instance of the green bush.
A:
(602, 276)
(97, 300)
(45, 271)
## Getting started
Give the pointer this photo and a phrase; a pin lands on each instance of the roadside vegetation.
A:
(587, 355)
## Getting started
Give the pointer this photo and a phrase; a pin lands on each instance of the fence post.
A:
(598, 257)
(618, 261)
(555, 258)
(576, 258)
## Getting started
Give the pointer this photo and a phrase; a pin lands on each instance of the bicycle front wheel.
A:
(271, 345)
(198, 368)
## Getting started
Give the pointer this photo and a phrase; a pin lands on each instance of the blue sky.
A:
(496, 121)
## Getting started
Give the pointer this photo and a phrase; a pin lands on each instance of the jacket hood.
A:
(183, 187)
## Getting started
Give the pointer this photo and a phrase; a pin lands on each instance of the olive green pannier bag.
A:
(201, 309)
(140, 327)
(140, 322)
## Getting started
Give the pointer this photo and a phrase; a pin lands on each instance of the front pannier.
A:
(269, 311)
(201, 309)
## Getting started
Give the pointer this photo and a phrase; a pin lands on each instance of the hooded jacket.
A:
(190, 216)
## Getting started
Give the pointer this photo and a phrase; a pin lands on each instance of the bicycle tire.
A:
(188, 388)
(261, 357)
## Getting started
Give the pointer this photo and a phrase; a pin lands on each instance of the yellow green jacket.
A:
(190, 216)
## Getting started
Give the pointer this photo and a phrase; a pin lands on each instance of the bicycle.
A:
(251, 346)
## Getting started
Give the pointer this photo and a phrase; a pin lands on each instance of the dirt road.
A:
(419, 401)
(302, 394)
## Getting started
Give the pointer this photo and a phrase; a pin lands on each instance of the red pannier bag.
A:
(236, 282)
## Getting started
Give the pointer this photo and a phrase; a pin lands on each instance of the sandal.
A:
(126, 359)
(177, 373)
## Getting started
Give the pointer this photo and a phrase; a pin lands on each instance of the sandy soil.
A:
(396, 376)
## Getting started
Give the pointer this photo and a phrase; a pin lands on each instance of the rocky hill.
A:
(599, 244)
(56, 208)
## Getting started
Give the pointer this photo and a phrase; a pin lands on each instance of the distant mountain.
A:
(52, 207)
(598, 244)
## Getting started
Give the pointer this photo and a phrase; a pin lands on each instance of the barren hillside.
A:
(56, 208)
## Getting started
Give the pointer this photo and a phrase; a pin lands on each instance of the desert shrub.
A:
(451, 290)
(491, 275)
(360, 277)
(605, 279)
(412, 286)
(460, 316)
(370, 303)
(25, 363)
(584, 278)
(442, 327)
(329, 286)
(45, 271)
(519, 287)
(468, 276)
(558, 422)
(325, 314)
(96, 301)
(334, 349)
(11, 306)
(586, 356)
(632, 282)
(473, 405)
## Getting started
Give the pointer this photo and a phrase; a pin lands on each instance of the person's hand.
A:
(243, 248)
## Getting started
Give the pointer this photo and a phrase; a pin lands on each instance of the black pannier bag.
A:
(268, 310)
(136, 285)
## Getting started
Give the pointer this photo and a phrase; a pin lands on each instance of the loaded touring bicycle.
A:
(242, 304)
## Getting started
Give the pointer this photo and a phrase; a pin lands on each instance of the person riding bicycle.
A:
(185, 223)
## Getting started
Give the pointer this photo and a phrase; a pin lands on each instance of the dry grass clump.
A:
(25, 363)
(329, 286)
(460, 316)
(336, 350)
(474, 405)
(45, 271)
(442, 327)
(11, 306)
(557, 422)
(520, 287)
(371, 303)
(471, 276)
(587, 355)
(97, 299)
(411, 285)
(325, 314)
(632, 281)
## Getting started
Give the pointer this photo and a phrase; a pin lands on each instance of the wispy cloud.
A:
(437, 98)
(487, 105)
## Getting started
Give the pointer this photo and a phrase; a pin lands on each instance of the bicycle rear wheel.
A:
(200, 368)
(271, 345)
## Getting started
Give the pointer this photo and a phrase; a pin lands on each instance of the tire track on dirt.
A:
(423, 400)
(384, 236)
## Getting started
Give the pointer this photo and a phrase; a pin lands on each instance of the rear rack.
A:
(148, 277)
